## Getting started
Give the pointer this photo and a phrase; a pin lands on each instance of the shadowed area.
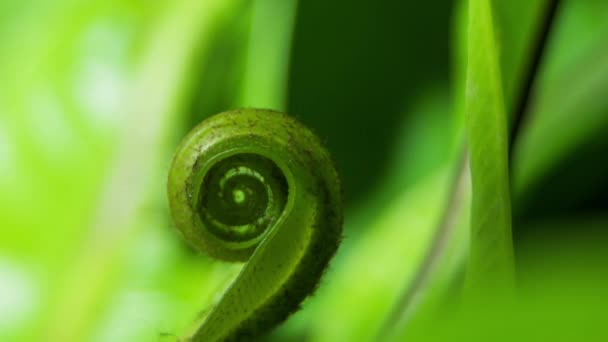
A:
(353, 71)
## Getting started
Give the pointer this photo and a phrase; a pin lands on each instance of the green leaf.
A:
(570, 94)
(516, 26)
(268, 52)
(491, 250)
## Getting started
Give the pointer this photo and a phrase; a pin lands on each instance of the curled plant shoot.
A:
(256, 186)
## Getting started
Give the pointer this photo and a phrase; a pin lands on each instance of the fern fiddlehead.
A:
(257, 186)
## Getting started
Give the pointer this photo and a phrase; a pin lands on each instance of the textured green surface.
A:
(491, 251)
(287, 258)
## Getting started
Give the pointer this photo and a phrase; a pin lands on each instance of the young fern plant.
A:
(256, 186)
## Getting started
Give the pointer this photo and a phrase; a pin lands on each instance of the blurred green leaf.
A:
(154, 98)
(268, 53)
(95, 90)
(560, 293)
(569, 112)
(517, 25)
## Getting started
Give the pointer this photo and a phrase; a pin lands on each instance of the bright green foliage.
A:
(109, 76)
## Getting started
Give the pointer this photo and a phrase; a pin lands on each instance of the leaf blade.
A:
(491, 251)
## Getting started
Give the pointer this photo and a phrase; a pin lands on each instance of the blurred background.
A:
(96, 95)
